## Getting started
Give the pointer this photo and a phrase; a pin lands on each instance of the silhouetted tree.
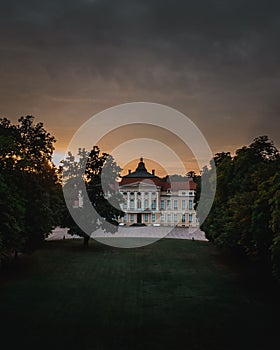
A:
(31, 195)
(98, 172)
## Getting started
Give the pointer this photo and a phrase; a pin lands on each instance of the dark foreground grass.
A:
(174, 294)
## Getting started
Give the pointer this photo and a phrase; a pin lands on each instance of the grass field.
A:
(173, 294)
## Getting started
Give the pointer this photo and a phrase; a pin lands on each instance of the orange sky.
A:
(218, 64)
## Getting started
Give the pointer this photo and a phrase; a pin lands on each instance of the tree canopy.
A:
(31, 196)
(96, 173)
(245, 214)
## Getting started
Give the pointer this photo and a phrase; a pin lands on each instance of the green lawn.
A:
(173, 294)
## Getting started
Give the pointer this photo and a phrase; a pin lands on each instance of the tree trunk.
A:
(86, 239)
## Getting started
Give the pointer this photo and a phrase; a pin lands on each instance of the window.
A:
(175, 204)
(125, 217)
(146, 217)
(183, 204)
(154, 204)
(190, 194)
(162, 204)
(139, 193)
(139, 204)
(146, 203)
(190, 218)
(168, 204)
(190, 204)
(125, 205)
(132, 204)
(184, 193)
(131, 217)
(162, 217)
(175, 217)
(124, 193)
(153, 217)
(184, 218)
(168, 217)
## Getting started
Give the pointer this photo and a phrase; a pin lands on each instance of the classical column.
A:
(135, 200)
(150, 200)
(128, 200)
(157, 201)
(142, 201)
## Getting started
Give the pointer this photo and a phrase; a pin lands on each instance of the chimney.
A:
(153, 171)
(129, 171)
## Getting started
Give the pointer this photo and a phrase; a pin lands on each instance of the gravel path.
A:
(152, 232)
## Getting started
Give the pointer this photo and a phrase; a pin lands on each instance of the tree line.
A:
(31, 197)
(245, 216)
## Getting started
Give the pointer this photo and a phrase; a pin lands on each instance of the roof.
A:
(141, 174)
(183, 185)
(165, 185)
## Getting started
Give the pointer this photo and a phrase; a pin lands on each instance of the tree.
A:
(274, 223)
(205, 191)
(12, 209)
(191, 174)
(12, 205)
(98, 172)
(31, 195)
(245, 214)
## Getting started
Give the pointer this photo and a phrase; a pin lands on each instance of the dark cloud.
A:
(218, 61)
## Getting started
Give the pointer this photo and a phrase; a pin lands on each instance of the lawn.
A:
(173, 294)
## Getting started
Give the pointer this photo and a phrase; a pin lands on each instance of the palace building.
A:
(156, 201)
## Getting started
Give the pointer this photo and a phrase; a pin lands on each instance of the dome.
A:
(140, 171)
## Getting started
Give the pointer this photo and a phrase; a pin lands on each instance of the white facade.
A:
(144, 202)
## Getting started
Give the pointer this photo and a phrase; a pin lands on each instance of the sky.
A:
(218, 62)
